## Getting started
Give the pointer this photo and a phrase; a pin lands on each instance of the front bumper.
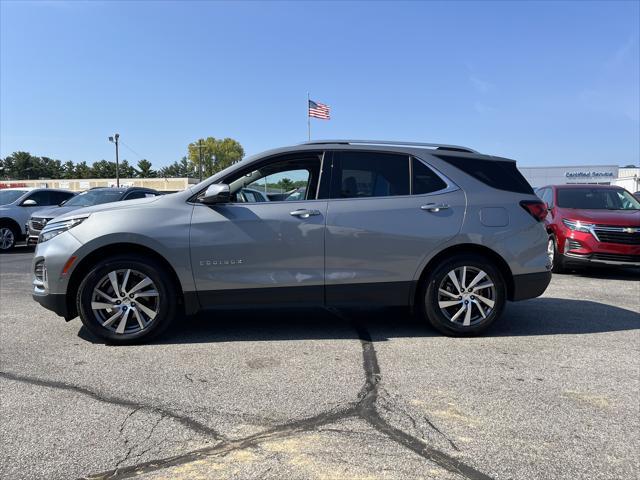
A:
(56, 302)
(584, 248)
(529, 285)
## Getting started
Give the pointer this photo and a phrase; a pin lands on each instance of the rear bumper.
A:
(529, 285)
(56, 302)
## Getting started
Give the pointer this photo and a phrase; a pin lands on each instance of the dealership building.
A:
(628, 178)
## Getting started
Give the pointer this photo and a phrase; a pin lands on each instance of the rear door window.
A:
(425, 180)
(369, 174)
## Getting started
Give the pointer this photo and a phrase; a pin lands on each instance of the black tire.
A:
(444, 320)
(558, 264)
(8, 237)
(164, 303)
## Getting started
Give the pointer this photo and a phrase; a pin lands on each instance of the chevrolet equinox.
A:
(443, 229)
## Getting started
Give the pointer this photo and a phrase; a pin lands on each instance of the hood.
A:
(122, 205)
(620, 218)
(53, 212)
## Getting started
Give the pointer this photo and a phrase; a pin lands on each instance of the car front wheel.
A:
(126, 299)
(555, 257)
(464, 295)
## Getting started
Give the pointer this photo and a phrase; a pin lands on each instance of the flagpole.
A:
(308, 118)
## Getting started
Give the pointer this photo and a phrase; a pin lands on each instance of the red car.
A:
(591, 224)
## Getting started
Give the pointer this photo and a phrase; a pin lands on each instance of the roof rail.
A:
(437, 146)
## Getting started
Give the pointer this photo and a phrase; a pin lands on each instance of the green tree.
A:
(25, 166)
(82, 170)
(286, 184)
(68, 169)
(126, 170)
(226, 152)
(51, 168)
(104, 169)
(144, 169)
(183, 168)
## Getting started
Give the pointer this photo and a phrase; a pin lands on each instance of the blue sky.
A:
(545, 83)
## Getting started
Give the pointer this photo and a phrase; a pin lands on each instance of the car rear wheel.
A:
(126, 300)
(8, 238)
(464, 295)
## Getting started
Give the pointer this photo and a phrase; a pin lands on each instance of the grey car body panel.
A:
(258, 245)
(259, 248)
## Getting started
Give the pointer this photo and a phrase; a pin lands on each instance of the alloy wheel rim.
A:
(466, 296)
(6, 238)
(125, 301)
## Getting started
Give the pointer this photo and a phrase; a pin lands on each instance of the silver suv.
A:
(442, 229)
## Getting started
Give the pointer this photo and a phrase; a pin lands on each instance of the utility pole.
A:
(114, 139)
(200, 157)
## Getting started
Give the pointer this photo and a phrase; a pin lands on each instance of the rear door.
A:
(251, 252)
(386, 213)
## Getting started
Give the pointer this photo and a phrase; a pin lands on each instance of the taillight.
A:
(536, 208)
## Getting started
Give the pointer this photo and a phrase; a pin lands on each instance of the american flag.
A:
(318, 110)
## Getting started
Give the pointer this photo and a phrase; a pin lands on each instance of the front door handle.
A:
(304, 213)
(432, 207)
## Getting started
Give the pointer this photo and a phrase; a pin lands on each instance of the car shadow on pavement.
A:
(540, 316)
(604, 273)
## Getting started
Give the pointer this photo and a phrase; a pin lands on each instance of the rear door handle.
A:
(304, 213)
(432, 207)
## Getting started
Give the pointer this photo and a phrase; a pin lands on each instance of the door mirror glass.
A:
(216, 193)
(29, 203)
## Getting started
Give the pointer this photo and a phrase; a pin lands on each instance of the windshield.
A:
(10, 196)
(94, 197)
(597, 199)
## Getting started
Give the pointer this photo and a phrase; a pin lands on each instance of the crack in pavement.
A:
(188, 422)
(364, 408)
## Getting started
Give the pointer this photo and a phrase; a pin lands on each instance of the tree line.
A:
(216, 155)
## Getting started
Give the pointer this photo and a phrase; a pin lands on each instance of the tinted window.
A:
(425, 180)
(597, 199)
(10, 196)
(369, 174)
(94, 197)
(41, 198)
(135, 194)
(499, 174)
(58, 197)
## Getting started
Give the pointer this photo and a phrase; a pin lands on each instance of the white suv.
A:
(17, 205)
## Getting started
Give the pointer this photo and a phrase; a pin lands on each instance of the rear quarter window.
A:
(499, 174)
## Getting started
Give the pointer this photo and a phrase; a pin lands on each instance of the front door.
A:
(267, 244)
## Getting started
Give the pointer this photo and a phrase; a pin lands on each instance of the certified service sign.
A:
(590, 174)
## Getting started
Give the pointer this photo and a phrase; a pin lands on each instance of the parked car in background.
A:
(88, 198)
(591, 224)
(16, 206)
(450, 232)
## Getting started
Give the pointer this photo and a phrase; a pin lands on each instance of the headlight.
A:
(577, 225)
(54, 228)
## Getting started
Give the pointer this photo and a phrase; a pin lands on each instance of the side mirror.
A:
(29, 203)
(216, 193)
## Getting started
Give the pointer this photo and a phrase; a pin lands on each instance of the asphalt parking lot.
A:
(551, 392)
